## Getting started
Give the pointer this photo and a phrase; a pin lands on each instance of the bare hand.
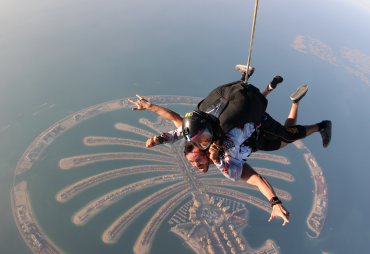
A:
(280, 211)
(141, 104)
(152, 142)
(214, 151)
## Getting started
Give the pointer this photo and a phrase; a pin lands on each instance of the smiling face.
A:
(198, 159)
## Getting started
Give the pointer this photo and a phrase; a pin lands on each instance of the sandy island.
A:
(262, 171)
(81, 160)
(98, 141)
(270, 157)
(217, 181)
(72, 190)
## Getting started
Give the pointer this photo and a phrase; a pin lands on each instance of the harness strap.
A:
(252, 36)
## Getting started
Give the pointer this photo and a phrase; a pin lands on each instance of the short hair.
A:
(189, 147)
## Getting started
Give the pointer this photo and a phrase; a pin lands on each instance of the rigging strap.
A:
(251, 44)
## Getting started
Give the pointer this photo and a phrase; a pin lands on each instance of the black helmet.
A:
(197, 128)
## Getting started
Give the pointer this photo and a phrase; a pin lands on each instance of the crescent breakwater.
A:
(27, 225)
(317, 216)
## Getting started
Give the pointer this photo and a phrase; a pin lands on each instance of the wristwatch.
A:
(161, 139)
(274, 201)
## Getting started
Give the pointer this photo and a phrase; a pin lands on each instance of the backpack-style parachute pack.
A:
(233, 104)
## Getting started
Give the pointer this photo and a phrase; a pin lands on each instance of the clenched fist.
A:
(152, 142)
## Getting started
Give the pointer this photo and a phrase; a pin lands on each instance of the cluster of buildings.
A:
(173, 99)
(181, 212)
(32, 155)
(213, 224)
(319, 216)
(42, 143)
(91, 112)
(226, 237)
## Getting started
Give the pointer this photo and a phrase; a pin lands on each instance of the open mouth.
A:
(202, 169)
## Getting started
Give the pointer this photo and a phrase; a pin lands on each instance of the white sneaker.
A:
(243, 70)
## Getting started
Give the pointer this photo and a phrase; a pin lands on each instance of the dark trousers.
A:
(272, 133)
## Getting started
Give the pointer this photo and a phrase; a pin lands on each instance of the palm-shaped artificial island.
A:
(211, 222)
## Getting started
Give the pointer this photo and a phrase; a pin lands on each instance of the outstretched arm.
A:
(251, 177)
(143, 104)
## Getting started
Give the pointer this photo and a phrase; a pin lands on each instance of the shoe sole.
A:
(328, 123)
(299, 94)
(270, 88)
(243, 68)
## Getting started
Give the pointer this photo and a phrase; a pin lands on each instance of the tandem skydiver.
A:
(242, 139)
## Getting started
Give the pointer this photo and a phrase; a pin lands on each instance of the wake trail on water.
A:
(40, 105)
(43, 109)
(4, 128)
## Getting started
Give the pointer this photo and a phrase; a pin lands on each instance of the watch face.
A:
(273, 199)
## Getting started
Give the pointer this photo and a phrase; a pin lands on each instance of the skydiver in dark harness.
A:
(209, 127)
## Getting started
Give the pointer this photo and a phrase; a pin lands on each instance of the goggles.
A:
(203, 139)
